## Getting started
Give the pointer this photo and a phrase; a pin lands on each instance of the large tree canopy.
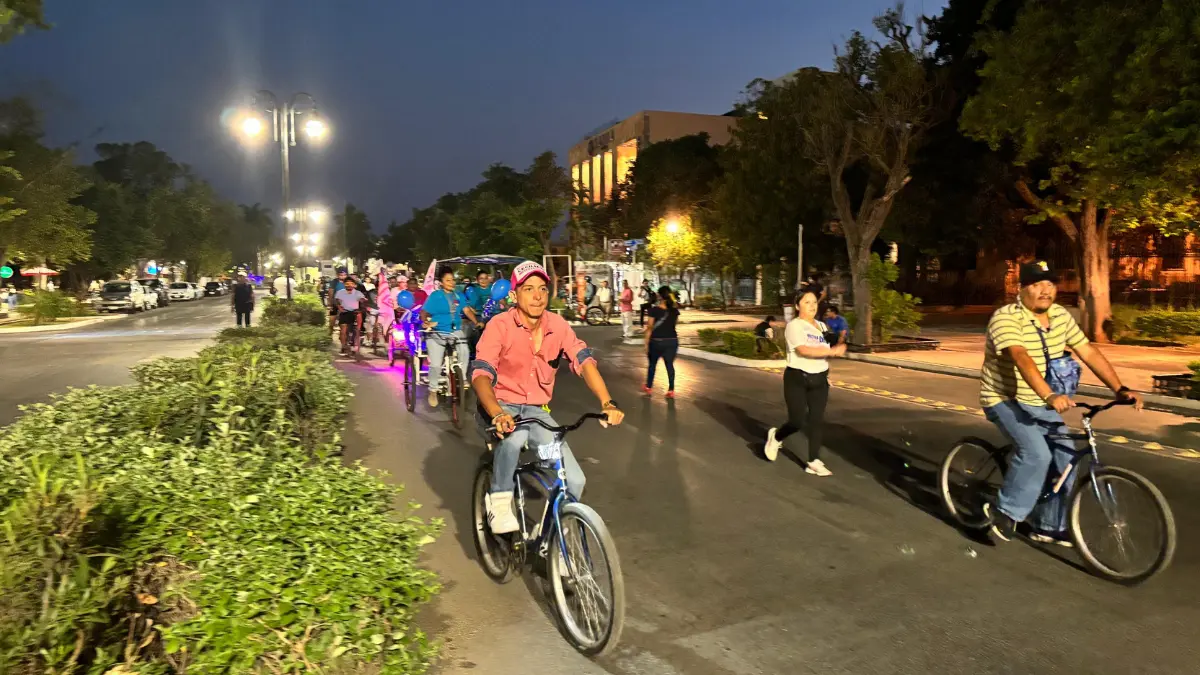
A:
(1100, 105)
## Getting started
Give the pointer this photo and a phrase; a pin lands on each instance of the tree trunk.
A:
(1095, 306)
(860, 261)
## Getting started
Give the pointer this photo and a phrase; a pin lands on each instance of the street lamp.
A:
(673, 226)
(283, 130)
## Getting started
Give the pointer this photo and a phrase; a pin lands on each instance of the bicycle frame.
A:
(1078, 453)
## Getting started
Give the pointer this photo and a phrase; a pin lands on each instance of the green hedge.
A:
(740, 344)
(301, 310)
(1165, 323)
(280, 336)
(709, 335)
(708, 302)
(202, 521)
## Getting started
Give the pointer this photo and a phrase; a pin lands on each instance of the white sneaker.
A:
(771, 449)
(433, 399)
(501, 518)
(818, 468)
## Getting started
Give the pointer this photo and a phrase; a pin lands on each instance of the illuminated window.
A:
(576, 181)
(585, 177)
(597, 188)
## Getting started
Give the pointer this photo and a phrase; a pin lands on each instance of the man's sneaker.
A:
(1002, 525)
(1045, 537)
(771, 449)
(818, 468)
(501, 518)
(433, 399)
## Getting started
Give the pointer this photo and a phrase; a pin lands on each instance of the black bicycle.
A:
(1101, 501)
(570, 538)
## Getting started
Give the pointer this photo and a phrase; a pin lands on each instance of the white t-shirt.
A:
(800, 333)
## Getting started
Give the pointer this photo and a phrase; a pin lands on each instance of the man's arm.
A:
(469, 312)
(1033, 376)
(1098, 363)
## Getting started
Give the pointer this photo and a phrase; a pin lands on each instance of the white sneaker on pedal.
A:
(500, 514)
(771, 449)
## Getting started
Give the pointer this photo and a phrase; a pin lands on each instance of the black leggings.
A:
(665, 349)
(805, 395)
(243, 313)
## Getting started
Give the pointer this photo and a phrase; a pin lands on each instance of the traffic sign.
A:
(6, 272)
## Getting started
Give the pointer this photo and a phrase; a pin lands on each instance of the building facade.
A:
(602, 160)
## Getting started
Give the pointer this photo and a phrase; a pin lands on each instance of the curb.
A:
(1170, 404)
(56, 327)
(730, 360)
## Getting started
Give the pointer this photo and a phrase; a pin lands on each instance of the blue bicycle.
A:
(570, 537)
(1103, 502)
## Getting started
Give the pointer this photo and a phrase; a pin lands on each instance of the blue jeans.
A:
(435, 348)
(1026, 426)
(506, 453)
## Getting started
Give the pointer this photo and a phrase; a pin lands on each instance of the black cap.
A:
(1032, 273)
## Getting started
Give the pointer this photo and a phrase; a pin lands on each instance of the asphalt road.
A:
(34, 365)
(736, 566)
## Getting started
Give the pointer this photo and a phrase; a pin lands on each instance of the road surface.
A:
(736, 566)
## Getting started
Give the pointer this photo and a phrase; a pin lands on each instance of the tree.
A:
(119, 237)
(42, 184)
(545, 198)
(17, 15)
(860, 125)
(251, 234)
(1097, 102)
(669, 178)
(354, 233)
(675, 243)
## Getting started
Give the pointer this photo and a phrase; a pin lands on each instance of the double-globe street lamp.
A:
(283, 130)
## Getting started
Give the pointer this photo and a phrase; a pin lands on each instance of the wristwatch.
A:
(610, 403)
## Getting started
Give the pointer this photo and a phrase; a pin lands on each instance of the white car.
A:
(197, 292)
(181, 290)
(115, 296)
(151, 297)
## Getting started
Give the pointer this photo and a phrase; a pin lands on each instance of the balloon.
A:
(500, 289)
(472, 292)
(405, 299)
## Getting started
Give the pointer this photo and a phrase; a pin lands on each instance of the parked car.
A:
(214, 288)
(118, 295)
(182, 290)
(160, 289)
(197, 292)
(151, 297)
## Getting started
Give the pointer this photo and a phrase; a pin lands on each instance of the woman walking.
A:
(662, 342)
(805, 382)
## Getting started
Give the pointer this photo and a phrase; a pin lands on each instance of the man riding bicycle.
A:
(513, 375)
(443, 312)
(1025, 387)
(349, 302)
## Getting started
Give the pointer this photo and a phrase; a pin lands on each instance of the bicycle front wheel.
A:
(589, 591)
(970, 476)
(410, 382)
(1122, 525)
(595, 316)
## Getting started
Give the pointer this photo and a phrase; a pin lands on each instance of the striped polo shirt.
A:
(1014, 325)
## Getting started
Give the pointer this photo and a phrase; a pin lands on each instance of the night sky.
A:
(422, 96)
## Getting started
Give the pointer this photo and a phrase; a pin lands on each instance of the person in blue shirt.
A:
(444, 313)
(836, 324)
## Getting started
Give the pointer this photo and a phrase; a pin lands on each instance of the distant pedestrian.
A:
(243, 300)
(837, 325)
(764, 334)
(626, 301)
(662, 342)
(648, 299)
(805, 382)
(13, 298)
(603, 299)
(94, 286)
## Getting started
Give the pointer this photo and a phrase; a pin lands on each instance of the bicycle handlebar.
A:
(564, 429)
(1094, 410)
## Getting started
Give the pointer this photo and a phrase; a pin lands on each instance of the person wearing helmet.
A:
(513, 377)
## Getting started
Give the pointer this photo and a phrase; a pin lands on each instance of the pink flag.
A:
(430, 283)
(386, 299)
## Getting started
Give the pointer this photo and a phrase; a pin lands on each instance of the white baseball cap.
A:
(528, 269)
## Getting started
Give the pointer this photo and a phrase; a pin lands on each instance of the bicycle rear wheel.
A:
(594, 316)
(495, 555)
(410, 382)
(455, 387)
(1100, 518)
(589, 594)
(970, 476)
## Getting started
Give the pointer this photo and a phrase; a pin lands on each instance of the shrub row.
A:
(1165, 323)
(302, 310)
(201, 521)
(276, 335)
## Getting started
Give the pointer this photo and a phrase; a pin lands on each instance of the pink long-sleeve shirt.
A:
(519, 374)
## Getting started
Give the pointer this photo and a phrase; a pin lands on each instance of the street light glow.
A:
(315, 127)
(296, 236)
(673, 226)
(314, 237)
(316, 215)
(252, 126)
(289, 214)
